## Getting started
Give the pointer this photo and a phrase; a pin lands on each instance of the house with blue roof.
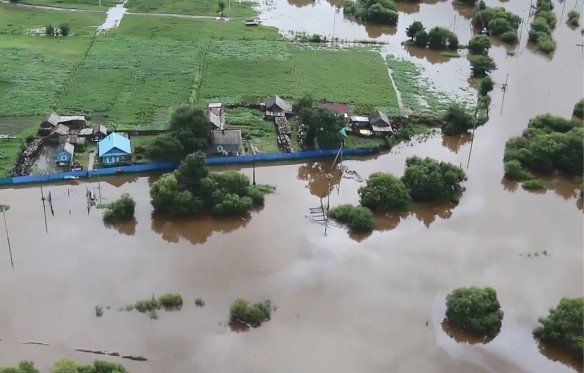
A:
(64, 155)
(114, 149)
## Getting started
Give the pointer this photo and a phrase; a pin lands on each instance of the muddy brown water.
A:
(345, 304)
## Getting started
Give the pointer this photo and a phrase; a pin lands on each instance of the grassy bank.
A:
(245, 72)
(9, 151)
(199, 7)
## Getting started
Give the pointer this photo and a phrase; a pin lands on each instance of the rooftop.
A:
(114, 141)
(226, 137)
(339, 108)
(278, 101)
(66, 147)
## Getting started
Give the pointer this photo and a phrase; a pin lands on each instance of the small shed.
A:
(216, 115)
(48, 124)
(86, 132)
(380, 124)
(99, 133)
(275, 106)
(358, 122)
(73, 121)
(58, 134)
(65, 154)
(114, 149)
(76, 139)
(225, 142)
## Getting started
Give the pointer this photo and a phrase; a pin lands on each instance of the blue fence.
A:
(163, 166)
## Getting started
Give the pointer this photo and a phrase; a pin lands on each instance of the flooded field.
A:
(344, 304)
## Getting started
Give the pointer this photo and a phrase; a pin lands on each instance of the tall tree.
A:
(322, 126)
(191, 127)
(414, 28)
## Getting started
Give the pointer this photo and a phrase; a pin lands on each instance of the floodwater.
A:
(345, 304)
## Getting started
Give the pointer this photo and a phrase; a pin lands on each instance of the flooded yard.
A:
(344, 303)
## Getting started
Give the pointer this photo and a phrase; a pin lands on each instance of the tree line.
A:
(68, 366)
(374, 11)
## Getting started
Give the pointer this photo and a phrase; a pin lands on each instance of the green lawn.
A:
(30, 21)
(244, 72)
(74, 4)
(254, 130)
(199, 29)
(199, 7)
(133, 90)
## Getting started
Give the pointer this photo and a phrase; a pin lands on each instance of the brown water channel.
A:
(345, 304)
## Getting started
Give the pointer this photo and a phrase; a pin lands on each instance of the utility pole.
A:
(504, 89)
(44, 209)
(7, 236)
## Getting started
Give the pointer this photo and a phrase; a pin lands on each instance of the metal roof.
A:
(67, 148)
(114, 141)
(377, 116)
(60, 129)
(278, 101)
(226, 137)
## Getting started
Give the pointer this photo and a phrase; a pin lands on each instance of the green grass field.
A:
(159, 74)
(30, 21)
(184, 28)
(33, 70)
(199, 7)
(244, 72)
(74, 4)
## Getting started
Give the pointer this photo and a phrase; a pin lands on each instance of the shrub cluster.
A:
(62, 30)
(476, 310)
(540, 31)
(120, 210)
(563, 327)
(357, 218)
(497, 21)
(68, 366)
(169, 301)
(374, 11)
(251, 314)
(573, 18)
(437, 38)
(192, 189)
(549, 143)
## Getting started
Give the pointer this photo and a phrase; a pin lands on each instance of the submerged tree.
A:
(563, 327)
(120, 210)
(357, 218)
(413, 29)
(428, 180)
(481, 65)
(479, 44)
(457, 120)
(476, 310)
(384, 192)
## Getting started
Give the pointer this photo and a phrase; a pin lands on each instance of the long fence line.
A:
(165, 166)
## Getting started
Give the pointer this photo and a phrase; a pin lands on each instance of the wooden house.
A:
(48, 124)
(114, 149)
(58, 134)
(226, 142)
(64, 154)
(275, 106)
(216, 115)
(380, 124)
(76, 122)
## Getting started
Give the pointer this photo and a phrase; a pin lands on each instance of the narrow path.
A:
(400, 103)
(91, 161)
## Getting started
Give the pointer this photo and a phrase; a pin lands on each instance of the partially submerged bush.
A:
(171, 301)
(384, 192)
(573, 18)
(98, 366)
(199, 302)
(357, 218)
(120, 210)
(514, 171)
(533, 184)
(251, 314)
(147, 305)
(476, 310)
(428, 180)
(563, 327)
(457, 120)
